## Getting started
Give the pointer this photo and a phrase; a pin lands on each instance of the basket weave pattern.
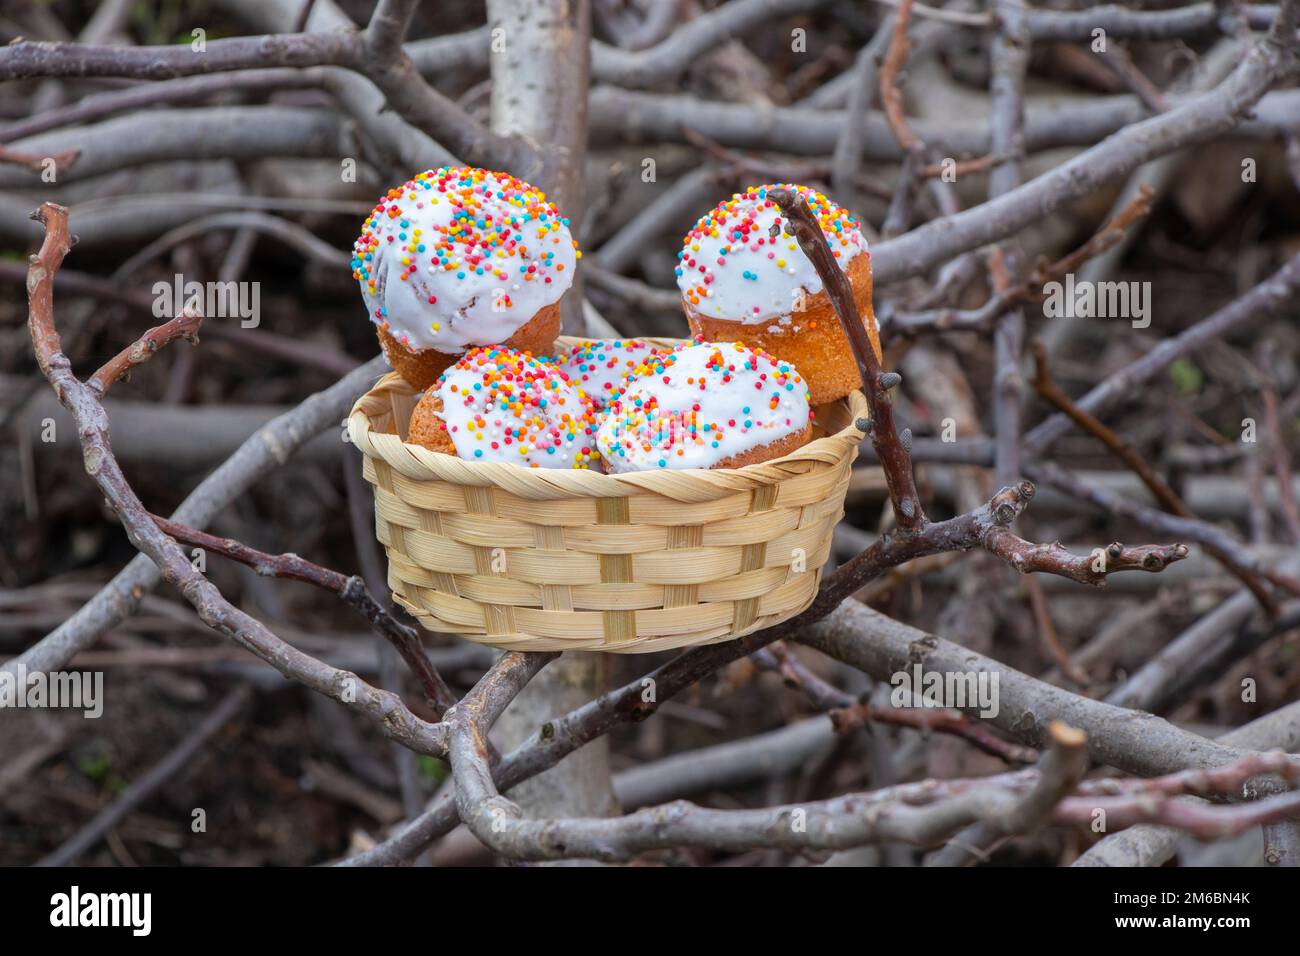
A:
(548, 559)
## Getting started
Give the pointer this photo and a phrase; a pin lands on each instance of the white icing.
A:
(668, 430)
(480, 300)
(600, 366)
(556, 435)
(757, 277)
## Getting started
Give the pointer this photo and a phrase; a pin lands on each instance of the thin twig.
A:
(1055, 396)
(1281, 458)
(1264, 299)
(384, 709)
(1031, 289)
(891, 448)
(1059, 772)
(351, 590)
(1093, 568)
(847, 713)
(1121, 64)
(962, 167)
(1168, 498)
(891, 97)
(184, 326)
(1048, 635)
(38, 164)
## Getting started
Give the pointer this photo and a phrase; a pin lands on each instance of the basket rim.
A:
(686, 484)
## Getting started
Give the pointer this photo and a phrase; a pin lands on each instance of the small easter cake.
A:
(743, 279)
(504, 405)
(706, 405)
(459, 257)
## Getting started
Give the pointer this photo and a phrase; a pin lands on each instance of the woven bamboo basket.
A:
(549, 560)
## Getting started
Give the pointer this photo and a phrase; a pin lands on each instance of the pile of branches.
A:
(635, 116)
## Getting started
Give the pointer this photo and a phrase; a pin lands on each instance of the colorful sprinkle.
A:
(501, 404)
(729, 267)
(440, 258)
(690, 408)
(600, 366)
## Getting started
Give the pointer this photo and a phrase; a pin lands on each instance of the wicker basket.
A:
(543, 559)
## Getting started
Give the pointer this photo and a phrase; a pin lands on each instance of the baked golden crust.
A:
(421, 369)
(778, 449)
(813, 341)
(427, 430)
(426, 427)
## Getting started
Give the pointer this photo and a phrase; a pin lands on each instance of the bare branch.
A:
(153, 94)
(891, 98)
(1122, 450)
(32, 59)
(383, 708)
(892, 448)
(983, 318)
(350, 589)
(60, 162)
(1264, 299)
(1059, 772)
(1269, 61)
(1091, 569)
(184, 326)
(1209, 536)
(387, 65)
(847, 713)
(388, 27)
(665, 61)
(1122, 21)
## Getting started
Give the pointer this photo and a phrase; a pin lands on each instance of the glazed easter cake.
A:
(459, 257)
(705, 405)
(504, 405)
(699, 405)
(742, 279)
